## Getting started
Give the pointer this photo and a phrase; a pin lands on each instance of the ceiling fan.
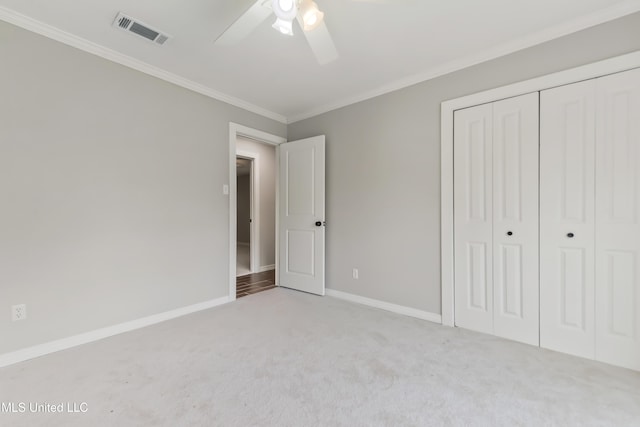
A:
(306, 12)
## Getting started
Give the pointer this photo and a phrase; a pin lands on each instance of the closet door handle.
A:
(509, 233)
(570, 235)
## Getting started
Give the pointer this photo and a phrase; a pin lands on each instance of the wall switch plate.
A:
(18, 312)
(355, 273)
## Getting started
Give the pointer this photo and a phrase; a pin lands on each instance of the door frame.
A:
(236, 130)
(585, 72)
(254, 208)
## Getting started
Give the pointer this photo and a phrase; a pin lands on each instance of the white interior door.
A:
(301, 209)
(496, 218)
(617, 223)
(515, 218)
(473, 218)
(567, 193)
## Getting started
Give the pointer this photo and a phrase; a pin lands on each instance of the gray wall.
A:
(110, 183)
(111, 191)
(243, 213)
(383, 167)
(267, 187)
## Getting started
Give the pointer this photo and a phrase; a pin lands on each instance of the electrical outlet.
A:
(355, 273)
(18, 312)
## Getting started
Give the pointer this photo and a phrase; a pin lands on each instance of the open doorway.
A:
(299, 247)
(253, 198)
(245, 262)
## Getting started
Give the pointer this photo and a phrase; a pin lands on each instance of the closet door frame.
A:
(590, 71)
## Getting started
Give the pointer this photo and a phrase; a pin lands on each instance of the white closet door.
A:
(473, 218)
(617, 222)
(567, 116)
(515, 218)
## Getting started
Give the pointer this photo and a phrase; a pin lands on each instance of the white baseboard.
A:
(267, 268)
(400, 309)
(98, 334)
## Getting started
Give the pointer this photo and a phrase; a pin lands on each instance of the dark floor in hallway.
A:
(254, 283)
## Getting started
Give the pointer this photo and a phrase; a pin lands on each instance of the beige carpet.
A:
(283, 358)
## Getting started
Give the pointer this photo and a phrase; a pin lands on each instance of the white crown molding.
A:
(399, 309)
(575, 25)
(61, 36)
(98, 334)
(586, 21)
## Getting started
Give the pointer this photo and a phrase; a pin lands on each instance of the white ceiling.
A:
(383, 45)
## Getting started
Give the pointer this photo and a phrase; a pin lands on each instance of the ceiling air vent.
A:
(135, 26)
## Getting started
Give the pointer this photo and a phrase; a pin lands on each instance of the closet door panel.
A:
(515, 218)
(473, 219)
(617, 290)
(567, 134)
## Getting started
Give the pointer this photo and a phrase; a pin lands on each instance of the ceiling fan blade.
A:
(244, 25)
(321, 43)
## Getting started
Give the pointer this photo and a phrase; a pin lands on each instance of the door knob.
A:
(509, 233)
(570, 235)
(318, 224)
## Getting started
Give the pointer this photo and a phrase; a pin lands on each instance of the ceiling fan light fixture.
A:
(285, 9)
(285, 27)
(286, 4)
(311, 15)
